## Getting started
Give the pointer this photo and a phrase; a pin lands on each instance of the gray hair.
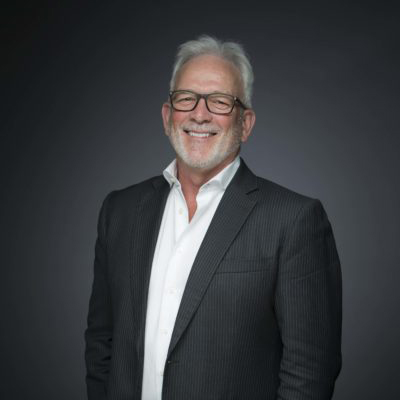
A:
(230, 51)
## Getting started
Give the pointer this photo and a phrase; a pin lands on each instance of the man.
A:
(210, 282)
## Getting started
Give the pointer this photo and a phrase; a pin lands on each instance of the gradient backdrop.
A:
(82, 89)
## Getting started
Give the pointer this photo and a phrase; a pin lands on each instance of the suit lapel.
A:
(144, 238)
(233, 210)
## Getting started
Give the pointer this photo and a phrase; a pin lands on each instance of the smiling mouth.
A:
(199, 134)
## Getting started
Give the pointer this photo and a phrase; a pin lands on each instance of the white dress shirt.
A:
(177, 246)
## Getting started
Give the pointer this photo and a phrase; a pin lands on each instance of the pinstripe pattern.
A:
(260, 317)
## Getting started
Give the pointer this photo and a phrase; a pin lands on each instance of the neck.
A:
(191, 179)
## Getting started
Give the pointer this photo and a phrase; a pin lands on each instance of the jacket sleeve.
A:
(98, 335)
(309, 307)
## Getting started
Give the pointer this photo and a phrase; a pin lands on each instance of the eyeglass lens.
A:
(216, 102)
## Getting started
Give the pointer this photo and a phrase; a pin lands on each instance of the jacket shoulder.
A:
(269, 190)
(130, 196)
(138, 190)
(270, 194)
(283, 203)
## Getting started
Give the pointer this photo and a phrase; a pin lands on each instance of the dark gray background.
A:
(81, 106)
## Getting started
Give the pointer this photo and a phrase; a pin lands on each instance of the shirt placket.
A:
(170, 298)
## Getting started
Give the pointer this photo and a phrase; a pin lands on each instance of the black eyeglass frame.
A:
(199, 96)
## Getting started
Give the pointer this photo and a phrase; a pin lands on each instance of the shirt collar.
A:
(221, 180)
(170, 173)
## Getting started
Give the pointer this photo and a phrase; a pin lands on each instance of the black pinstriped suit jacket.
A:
(260, 317)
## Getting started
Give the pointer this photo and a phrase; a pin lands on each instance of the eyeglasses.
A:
(216, 103)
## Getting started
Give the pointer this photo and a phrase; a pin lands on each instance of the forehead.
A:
(209, 73)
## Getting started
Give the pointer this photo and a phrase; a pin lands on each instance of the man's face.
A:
(221, 135)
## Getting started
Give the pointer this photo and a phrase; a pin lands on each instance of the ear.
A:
(166, 115)
(248, 121)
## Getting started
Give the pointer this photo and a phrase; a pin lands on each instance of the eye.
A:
(221, 101)
(184, 98)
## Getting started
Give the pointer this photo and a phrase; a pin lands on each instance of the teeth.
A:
(196, 134)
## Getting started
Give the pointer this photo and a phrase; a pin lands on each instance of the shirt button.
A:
(180, 251)
(161, 373)
(180, 211)
(164, 331)
(172, 290)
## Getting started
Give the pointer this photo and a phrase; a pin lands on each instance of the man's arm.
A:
(309, 308)
(98, 334)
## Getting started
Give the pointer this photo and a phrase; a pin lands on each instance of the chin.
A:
(200, 164)
(207, 163)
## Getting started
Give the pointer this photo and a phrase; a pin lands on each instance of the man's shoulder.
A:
(140, 188)
(269, 189)
(282, 202)
(270, 192)
(134, 193)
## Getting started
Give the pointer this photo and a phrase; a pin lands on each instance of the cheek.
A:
(226, 124)
(177, 119)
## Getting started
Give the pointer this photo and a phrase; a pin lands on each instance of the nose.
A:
(201, 114)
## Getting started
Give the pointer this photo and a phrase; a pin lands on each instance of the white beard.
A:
(193, 157)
